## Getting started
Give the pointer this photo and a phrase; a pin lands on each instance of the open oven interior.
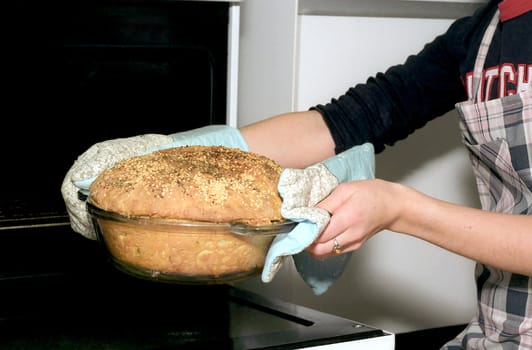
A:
(80, 72)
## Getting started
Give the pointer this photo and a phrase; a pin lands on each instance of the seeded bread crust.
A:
(197, 183)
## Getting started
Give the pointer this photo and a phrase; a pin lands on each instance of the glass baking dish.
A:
(187, 252)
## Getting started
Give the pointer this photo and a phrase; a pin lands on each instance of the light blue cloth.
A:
(106, 154)
(301, 190)
(212, 135)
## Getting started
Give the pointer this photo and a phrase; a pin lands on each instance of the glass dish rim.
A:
(239, 228)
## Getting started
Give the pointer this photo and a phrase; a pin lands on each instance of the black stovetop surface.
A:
(59, 291)
(109, 310)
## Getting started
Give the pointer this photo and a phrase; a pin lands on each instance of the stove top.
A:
(109, 310)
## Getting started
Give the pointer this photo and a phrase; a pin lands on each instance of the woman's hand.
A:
(359, 209)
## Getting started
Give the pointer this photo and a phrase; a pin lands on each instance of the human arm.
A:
(294, 140)
(386, 108)
(361, 209)
(390, 106)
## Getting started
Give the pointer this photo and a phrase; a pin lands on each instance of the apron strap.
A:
(482, 53)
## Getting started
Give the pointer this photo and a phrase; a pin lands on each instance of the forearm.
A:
(500, 240)
(294, 140)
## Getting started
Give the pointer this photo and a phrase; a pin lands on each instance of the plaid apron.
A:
(498, 136)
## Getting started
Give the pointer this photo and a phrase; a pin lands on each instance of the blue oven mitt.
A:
(301, 190)
(104, 155)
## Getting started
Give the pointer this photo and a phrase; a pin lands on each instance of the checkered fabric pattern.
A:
(498, 135)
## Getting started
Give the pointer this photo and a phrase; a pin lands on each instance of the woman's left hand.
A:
(359, 209)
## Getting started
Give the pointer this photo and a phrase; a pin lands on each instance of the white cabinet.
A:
(394, 282)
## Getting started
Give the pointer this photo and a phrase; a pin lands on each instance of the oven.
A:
(80, 72)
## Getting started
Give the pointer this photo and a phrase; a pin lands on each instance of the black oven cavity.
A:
(80, 72)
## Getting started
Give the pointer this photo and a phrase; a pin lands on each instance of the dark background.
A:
(80, 72)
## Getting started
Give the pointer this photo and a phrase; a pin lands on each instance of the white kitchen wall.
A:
(267, 56)
(394, 282)
(397, 275)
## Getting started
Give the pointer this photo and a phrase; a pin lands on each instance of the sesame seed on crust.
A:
(199, 183)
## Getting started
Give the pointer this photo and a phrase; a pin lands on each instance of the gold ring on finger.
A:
(336, 248)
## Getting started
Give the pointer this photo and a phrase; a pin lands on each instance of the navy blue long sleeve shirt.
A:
(392, 104)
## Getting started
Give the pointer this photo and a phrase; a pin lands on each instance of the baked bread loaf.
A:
(198, 183)
(212, 184)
